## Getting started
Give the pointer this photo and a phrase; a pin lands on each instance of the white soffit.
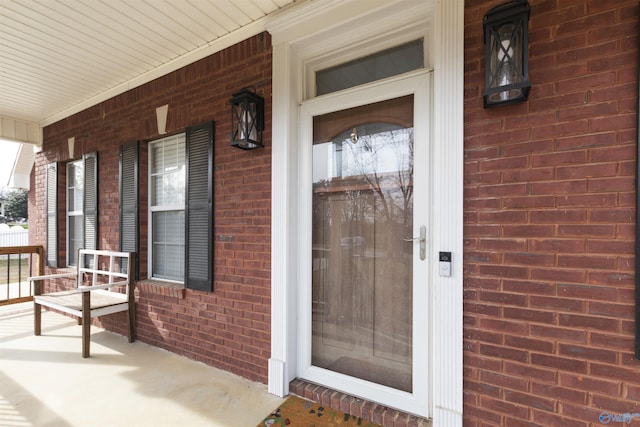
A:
(59, 57)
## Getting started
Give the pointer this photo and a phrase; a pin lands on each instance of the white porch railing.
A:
(13, 236)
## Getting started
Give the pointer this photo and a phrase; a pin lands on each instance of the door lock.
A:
(423, 241)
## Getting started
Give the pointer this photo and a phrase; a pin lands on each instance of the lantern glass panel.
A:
(247, 129)
(506, 61)
(247, 118)
(506, 70)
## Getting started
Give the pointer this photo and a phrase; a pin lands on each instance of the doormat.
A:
(297, 412)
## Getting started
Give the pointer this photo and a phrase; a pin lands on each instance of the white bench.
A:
(103, 285)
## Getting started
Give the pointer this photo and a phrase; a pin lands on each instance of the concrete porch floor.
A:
(44, 381)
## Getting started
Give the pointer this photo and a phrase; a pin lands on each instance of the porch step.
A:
(364, 409)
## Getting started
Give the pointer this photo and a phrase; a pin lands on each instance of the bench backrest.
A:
(99, 267)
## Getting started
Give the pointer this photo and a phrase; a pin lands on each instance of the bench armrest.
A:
(103, 286)
(51, 276)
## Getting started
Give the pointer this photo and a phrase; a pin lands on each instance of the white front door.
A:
(364, 305)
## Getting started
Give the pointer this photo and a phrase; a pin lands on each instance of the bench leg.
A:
(37, 319)
(86, 323)
(131, 323)
(37, 309)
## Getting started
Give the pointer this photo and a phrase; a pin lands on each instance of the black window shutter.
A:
(129, 157)
(199, 208)
(51, 196)
(90, 201)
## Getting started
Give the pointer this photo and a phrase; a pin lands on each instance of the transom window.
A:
(380, 65)
(167, 208)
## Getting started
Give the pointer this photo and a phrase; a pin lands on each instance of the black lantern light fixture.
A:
(247, 119)
(506, 51)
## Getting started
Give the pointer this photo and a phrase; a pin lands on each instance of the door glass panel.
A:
(362, 266)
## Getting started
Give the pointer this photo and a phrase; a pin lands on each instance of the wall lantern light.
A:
(247, 119)
(506, 53)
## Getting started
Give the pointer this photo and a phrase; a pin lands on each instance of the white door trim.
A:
(298, 31)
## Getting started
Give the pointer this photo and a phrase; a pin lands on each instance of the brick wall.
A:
(549, 223)
(229, 328)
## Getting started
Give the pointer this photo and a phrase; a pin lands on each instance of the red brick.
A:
(503, 298)
(548, 419)
(503, 245)
(486, 415)
(593, 385)
(537, 316)
(610, 309)
(529, 202)
(561, 363)
(588, 322)
(484, 336)
(504, 353)
(511, 272)
(530, 372)
(633, 393)
(505, 326)
(616, 405)
(529, 287)
(561, 393)
(565, 334)
(482, 388)
(587, 171)
(556, 216)
(531, 344)
(528, 175)
(613, 372)
(527, 258)
(559, 158)
(475, 361)
(590, 262)
(558, 304)
(559, 275)
(503, 407)
(530, 400)
(504, 381)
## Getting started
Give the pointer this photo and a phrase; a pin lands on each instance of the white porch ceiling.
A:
(58, 57)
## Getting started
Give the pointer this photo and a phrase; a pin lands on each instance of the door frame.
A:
(320, 28)
(416, 84)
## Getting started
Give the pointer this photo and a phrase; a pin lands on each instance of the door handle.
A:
(423, 241)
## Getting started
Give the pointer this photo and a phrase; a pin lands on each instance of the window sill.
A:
(157, 287)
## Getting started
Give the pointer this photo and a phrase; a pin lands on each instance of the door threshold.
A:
(365, 409)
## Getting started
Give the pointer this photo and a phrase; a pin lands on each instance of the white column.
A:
(282, 364)
(448, 222)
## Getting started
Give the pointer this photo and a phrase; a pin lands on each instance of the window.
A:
(75, 220)
(167, 174)
(81, 194)
(380, 65)
(180, 207)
